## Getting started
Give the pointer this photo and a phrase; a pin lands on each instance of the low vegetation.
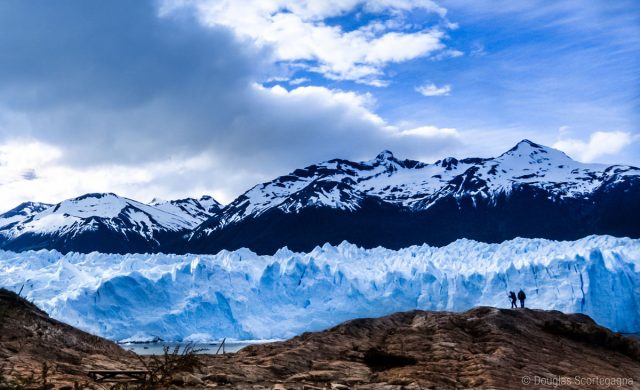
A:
(33, 381)
(163, 370)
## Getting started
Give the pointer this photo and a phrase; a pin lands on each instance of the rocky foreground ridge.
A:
(483, 348)
(30, 339)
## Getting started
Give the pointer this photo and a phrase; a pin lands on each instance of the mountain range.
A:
(529, 191)
(104, 223)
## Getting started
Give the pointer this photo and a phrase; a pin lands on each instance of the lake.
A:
(156, 348)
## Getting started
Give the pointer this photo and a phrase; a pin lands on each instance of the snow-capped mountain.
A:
(243, 295)
(97, 222)
(529, 191)
(195, 211)
(20, 213)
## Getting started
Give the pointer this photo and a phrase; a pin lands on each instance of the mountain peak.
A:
(95, 195)
(28, 206)
(209, 203)
(104, 205)
(384, 155)
(526, 144)
(21, 213)
(535, 152)
(157, 201)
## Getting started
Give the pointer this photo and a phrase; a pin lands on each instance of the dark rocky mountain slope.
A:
(103, 222)
(529, 191)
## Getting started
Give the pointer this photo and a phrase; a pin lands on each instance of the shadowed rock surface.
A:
(483, 348)
(29, 338)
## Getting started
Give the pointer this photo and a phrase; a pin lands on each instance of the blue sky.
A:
(176, 98)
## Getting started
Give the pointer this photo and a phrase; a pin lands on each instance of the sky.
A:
(180, 98)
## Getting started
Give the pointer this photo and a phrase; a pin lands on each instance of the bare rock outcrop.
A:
(483, 348)
(33, 345)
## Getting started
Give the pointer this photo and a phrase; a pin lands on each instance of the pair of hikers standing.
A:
(521, 296)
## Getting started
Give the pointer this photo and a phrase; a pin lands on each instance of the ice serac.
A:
(529, 191)
(242, 295)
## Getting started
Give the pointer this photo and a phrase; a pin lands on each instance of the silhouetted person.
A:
(522, 296)
(513, 298)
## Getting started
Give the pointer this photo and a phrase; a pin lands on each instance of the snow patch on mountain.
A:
(245, 296)
(21, 213)
(86, 212)
(195, 211)
(92, 211)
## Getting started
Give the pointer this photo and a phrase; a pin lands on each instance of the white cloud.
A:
(448, 53)
(433, 90)
(278, 130)
(52, 180)
(358, 104)
(600, 143)
(298, 81)
(405, 5)
(16, 158)
(298, 33)
(430, 132)
(199, 122)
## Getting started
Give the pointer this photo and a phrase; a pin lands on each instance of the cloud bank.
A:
(307, 35)
(146, 101)
(599, 144)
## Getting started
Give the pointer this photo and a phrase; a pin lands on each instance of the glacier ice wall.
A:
(245, 296)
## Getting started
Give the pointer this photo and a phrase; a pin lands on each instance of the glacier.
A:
(241, 295)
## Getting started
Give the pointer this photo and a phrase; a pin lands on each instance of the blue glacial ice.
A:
(242, 295)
